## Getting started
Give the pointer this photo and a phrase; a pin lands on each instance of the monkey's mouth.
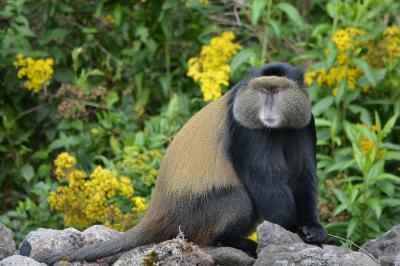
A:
(270, 122)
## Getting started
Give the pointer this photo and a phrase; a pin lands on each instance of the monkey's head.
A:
(273, 97)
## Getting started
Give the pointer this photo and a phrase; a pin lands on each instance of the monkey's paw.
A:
(314, 234)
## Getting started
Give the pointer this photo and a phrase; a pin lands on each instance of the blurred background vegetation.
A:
(94, 91)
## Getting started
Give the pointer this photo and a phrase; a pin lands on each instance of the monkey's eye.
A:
(275, 90)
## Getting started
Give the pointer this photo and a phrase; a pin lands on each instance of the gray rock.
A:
(98, 233)
(273, 234)
(44, 241)
(386, 247)
(175, 252)
(66, 263)
(227, 256)
(307, 255)
(7, 244)
(18, 260)
(397, 260)
(280, 247)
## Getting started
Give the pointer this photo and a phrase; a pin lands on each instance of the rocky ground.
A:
(276, 247)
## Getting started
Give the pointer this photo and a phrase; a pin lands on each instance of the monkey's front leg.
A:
(305, 193)
(273, 200)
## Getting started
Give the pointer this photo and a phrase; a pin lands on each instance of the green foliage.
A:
(120, 81)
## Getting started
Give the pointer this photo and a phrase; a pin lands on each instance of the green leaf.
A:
(257, 7)
(369, 73)
(331, 10)
(241, 58)
(340, 208)
(341, 196)
(375, 205)
(322, 105)
(27, 172)
(389, 125)
(372, 224)
(351, 227)
(388, 176)
(293, 14)
(375, 170)
(391, 202)
(392, 155)
(275, 26)
(115, 146)
(319, 122)
(387, 187)
(40, 155)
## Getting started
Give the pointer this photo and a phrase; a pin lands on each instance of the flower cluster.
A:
(38, 72)
(141, 164)
(86, 199)
(349, 44)
(366, 144)
(391, 42)
(210, 69)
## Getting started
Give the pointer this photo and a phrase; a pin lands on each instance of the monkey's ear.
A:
(281, 70)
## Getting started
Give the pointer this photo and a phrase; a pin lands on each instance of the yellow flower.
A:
(366, 88)
(309, 77)
(380, 154)
(109, 18)
(335, 91)
(86, 199)
(391, 41)
(204, 2)
(365, 145)
(321, 77)
(140, 204)
(342, 58)
(210, 69)
(38, 72)
(253, 236)
(346, 38)
(63, 162)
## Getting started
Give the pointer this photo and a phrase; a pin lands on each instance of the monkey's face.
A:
(272, 102)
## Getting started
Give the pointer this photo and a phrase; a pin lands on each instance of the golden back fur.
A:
(195, 161)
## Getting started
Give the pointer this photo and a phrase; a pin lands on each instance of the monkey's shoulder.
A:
(196, 160)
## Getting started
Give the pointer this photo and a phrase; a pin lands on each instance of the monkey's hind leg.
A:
(233, 232)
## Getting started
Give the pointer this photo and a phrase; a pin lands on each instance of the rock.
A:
(18, 260)
(227, 256)
(386, 247)
(175, 252)
(280, 247)
(7, 244)
(44, 241)
(397, 260)
(66, 263)
(273, 234)
(98, 233)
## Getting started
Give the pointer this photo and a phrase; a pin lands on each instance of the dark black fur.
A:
(278, 167)
(280, 70)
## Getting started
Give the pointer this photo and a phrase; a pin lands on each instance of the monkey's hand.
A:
(314, 234)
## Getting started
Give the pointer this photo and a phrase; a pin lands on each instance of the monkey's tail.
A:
(127, 241)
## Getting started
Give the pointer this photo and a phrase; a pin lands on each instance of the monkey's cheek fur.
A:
(246, 107)
(295, 107)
